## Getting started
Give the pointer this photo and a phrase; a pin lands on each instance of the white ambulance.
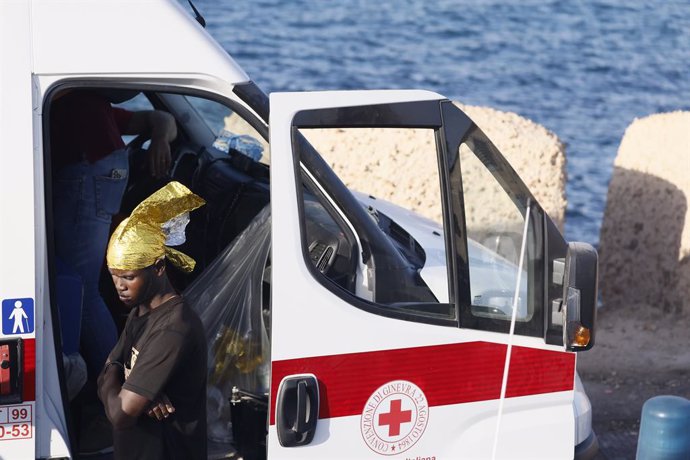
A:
(389, 335)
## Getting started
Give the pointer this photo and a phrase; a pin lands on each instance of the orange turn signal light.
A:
(581, 337)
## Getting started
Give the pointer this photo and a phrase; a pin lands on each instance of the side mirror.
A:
(579, 307)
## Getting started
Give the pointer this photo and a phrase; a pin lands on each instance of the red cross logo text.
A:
(395, 417)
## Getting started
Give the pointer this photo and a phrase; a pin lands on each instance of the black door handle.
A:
(297, 410)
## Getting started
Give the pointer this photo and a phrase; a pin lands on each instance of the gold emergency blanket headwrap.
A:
(140, 240)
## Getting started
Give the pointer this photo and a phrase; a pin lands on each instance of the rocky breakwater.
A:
(645, 235)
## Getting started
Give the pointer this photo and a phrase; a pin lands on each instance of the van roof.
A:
(124, 37)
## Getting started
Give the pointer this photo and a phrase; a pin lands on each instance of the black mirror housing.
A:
(580, 285)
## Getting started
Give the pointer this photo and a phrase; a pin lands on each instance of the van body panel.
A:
(148, 36)
(18, 233)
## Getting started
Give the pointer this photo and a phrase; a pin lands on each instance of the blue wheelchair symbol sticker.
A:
(17, 316)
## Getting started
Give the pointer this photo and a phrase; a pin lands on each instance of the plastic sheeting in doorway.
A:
(228, 299)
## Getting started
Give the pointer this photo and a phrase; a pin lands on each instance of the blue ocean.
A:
(583, 69)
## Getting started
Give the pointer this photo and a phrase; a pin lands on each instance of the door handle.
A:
(297, 410)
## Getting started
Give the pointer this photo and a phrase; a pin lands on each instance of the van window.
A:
(230, 128)
(381, 167)
(494, 225)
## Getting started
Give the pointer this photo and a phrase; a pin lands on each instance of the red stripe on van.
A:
(447, 374)
(29, 390)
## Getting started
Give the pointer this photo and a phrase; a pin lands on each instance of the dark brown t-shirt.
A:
(164, 352)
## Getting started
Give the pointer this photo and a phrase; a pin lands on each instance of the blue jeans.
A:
(85, 197)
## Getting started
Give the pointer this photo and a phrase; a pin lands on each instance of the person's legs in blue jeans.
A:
(86, 196)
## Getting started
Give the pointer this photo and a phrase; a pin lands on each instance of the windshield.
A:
(231, 131)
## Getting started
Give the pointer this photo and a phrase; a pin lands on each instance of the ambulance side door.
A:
(370, 353)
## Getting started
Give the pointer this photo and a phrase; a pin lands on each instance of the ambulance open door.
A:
(405, 356)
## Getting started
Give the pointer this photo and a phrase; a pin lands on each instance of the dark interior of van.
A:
(236, 189)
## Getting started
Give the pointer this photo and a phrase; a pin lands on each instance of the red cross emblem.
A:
(395, 417)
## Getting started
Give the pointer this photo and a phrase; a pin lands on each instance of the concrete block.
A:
(645, 234)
